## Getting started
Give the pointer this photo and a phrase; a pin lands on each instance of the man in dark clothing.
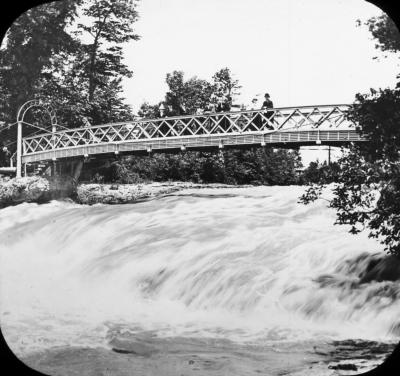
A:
(267, 102)
(268, 114)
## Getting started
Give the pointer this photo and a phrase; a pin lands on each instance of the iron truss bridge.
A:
(279, 127)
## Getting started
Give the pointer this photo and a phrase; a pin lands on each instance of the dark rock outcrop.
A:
(390, 367)
(384, 268)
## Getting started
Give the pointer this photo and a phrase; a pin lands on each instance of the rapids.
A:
(250, 265)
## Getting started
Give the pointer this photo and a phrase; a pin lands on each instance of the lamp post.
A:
(19, 149)
(20, 120)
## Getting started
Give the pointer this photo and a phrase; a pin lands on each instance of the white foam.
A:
(241, 265)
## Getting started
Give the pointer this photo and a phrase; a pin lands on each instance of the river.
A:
(218, 281)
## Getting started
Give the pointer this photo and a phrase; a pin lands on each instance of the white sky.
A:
(303, 52)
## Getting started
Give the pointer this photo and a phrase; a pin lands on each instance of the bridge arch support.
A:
(20, 120)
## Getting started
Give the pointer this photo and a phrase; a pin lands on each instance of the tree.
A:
(320, 173)
(148, 111)
(225, 87)
(26, 52)
(110, 25)
(30, 43)
(185, 97)
(385, 33)
(79, 72)
(253, 166)
(91, 76)
(367, 191)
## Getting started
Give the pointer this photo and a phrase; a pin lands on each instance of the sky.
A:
(302, 52)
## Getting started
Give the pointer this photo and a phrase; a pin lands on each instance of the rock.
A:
(26, 189)
(345, 367)
(390, 367)
(386, 268)
(90, 194)
(132, 347)
(4, 178)
(35, 189)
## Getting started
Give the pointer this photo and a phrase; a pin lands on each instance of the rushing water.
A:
(249, 265)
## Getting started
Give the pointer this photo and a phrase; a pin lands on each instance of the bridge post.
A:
(329, 155)
(54, 164)
(19, 150)
(20, 119)
(77, 171)
(53, 171)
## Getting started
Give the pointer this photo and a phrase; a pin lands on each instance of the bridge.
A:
(278, 127)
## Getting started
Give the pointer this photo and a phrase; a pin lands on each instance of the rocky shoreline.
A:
(39, 190)
(175, 356)
(34, 189)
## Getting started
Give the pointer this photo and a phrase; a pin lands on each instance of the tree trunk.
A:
(91, 68)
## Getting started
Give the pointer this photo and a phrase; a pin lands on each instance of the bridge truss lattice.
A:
(292, 126)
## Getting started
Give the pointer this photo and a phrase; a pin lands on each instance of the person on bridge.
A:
(210, 109)
(257, 122)
(224, 106)
(268, 114)
(267, 102)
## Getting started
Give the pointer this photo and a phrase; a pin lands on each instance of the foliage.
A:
(27, 51)
(86, 84)
(30, 43)
(77, 67)
(185, 97)
(254, 166)
(385, 33)
(148, 111)
(110, 26)
(320, 173)
(379, 115)
(225, 87)
(367, 192)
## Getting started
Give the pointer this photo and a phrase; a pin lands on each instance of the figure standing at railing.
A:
(224, 106)
(268, 114)
(257, 122)
(210, 109)
(195, 128)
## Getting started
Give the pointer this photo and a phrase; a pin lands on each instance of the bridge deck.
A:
(280, 127)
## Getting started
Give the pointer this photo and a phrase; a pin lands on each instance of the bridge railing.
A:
(208, 124)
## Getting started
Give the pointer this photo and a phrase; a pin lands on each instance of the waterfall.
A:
(245, 264)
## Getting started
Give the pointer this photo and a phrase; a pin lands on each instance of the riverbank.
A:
(178, 356)
(34, 189)
(39, 190)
